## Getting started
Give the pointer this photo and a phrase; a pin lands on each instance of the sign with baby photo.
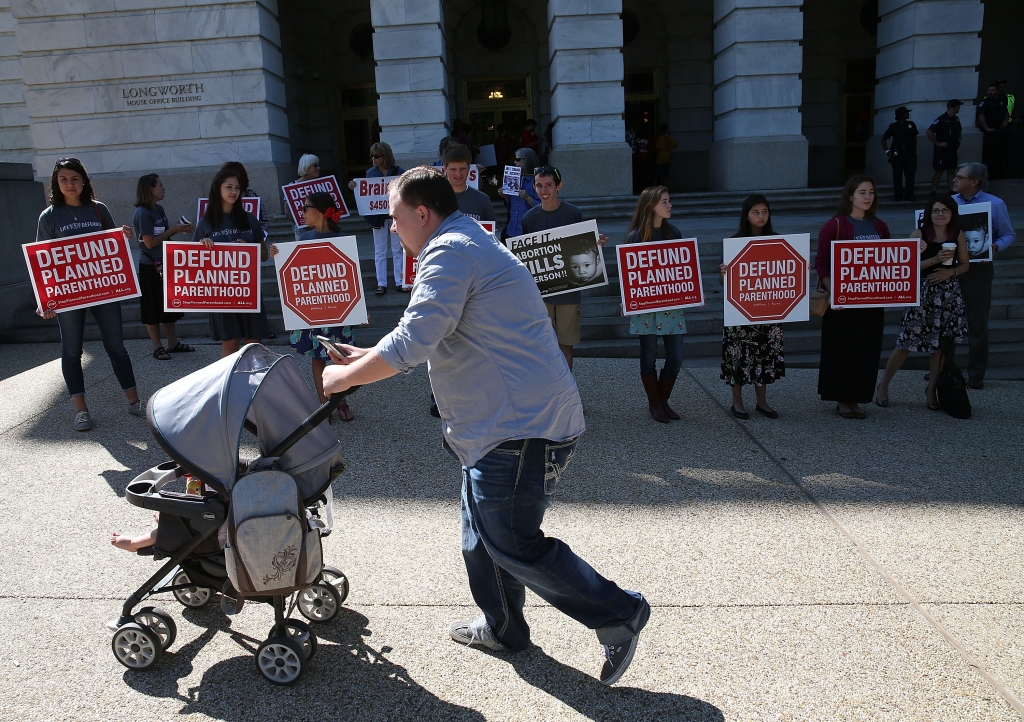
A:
(563, 259)
(975, 220)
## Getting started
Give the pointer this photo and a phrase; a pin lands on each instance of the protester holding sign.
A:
(243, 178)
(969, 183)
(456, 162)
(519, 203)
(227, 222)
(940, 321)
(384, 166)
(152, 228)
(322, 214)
(563, 309)
(512, 419)
(650, 223)
(309, 168)
(752, 354)
(851, 338)
(73, 211)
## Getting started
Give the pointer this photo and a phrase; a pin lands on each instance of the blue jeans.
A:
(673, 354)
(72, 330)
(503, 502)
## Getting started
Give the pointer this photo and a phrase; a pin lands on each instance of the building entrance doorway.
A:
(359, 128)
(641, 95)
(492, 103)
(858, 115)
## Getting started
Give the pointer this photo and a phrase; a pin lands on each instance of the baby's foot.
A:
(131, 543)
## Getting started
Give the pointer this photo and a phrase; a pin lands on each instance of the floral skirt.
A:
(940, 315)
(752, 354)
(305, 345)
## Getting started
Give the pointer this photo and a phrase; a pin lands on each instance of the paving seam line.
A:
(994, 681)
(48, 409)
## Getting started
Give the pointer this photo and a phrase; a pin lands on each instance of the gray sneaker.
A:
(137, 409)
(83, 422)
(476, 631)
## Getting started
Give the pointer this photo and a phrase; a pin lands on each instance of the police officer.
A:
(994, 120)
(903, 153)
(944, 133)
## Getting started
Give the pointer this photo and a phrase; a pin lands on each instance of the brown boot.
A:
(654, 398)
(665, 386)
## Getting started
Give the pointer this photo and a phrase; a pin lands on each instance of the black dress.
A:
(851, 338)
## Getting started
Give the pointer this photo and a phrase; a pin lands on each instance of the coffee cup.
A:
(948, 247)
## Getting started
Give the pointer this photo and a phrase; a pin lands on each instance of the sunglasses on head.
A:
(548, 170)
(69, 159)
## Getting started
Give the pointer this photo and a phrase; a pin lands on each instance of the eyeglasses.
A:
(374, 156)
(962, 177)
(549, 170)
(941, 211)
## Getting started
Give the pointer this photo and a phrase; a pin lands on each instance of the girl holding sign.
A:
(752, 354)
(153, 228)
(517, 205)
(851, 338)
(73, 211)
(383, 166)
(321, 215)
(650, 223)
(227, 222)
(941, 315)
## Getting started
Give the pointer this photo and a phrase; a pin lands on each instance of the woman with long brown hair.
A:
(650, 223)
(941, 318)
(752, 354)
(851, 338)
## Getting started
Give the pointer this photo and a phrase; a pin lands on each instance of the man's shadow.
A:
(599, 702)
(347, 679)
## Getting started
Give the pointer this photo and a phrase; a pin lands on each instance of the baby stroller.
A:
(199, 421)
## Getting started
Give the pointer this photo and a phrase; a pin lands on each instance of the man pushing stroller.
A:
(511, 416)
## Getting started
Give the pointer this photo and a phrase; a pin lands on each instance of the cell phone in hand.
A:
(331, 346)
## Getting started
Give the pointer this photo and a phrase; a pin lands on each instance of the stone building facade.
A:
(757, 93)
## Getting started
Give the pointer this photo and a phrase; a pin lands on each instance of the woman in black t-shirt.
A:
(227, 222)
(73, 211)
(152, 228)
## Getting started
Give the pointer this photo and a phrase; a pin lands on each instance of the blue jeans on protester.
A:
(673, 354)
(504, 497)
(72, 331)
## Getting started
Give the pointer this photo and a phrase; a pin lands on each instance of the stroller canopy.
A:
(199, 419)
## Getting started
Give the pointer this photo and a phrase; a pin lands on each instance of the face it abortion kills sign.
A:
(372, 195)
(659, 276)
(222, 279)
(320, 283)
(81, 271)
(767, 279)
(563, 259)
(295, 195)
(875, 273)
(410, 264)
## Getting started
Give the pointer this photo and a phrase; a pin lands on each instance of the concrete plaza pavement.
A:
(807, 568)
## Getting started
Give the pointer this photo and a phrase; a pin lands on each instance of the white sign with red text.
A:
(372, 195)
(295, 195)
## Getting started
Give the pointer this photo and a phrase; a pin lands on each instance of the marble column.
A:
(928, 53)
(412, 80)
(15, 138)
(758, 59)
(587, 104)
(176, 87)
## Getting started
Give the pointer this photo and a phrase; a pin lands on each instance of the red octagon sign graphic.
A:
(320, 284)
(767, 279)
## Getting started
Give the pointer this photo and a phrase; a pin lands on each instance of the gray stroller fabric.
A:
(199, 419)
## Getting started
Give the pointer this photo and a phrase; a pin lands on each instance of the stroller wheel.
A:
(299, 631)
(280, 660)
(194, 597)
(319, 603)
(136, 646)
(159, 621)
(337, 579)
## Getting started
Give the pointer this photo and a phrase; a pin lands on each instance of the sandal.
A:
(851, 414)
(181, 348)
(879, 401)
(381, 290)
(160, 354)
(345, 413)
(933, 407)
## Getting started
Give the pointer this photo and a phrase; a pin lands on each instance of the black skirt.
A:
(151, 284)
(231, 326)
(851, 346)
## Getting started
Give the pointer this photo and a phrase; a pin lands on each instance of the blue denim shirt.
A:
(476, 317)
(1002, 229)
(517, 207)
